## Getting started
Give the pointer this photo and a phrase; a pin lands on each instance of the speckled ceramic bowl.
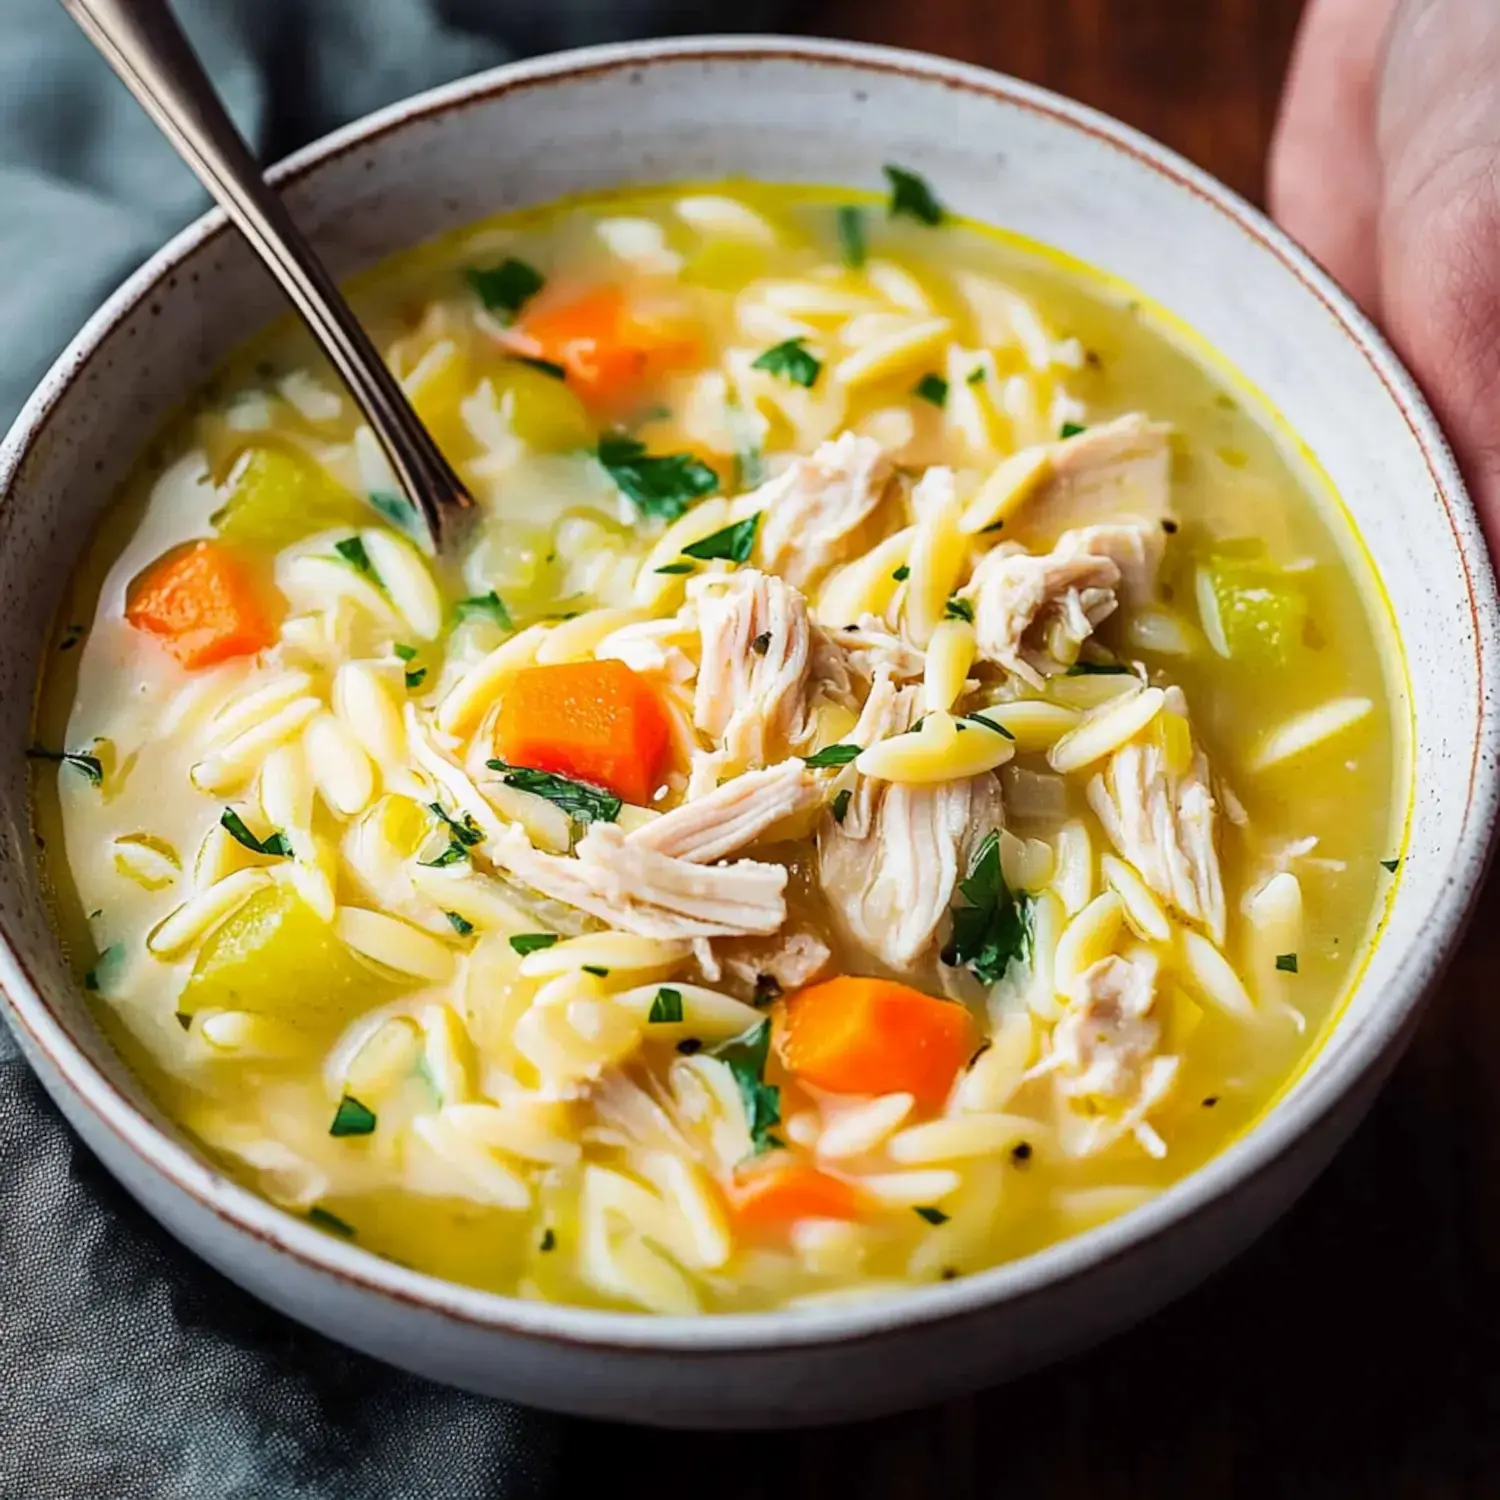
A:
(789, 111)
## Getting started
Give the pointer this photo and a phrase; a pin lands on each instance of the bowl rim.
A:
(1043, 1271)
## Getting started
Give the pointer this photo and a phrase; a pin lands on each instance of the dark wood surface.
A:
(1356, 1350)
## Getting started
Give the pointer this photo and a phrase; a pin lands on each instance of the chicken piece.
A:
(737, 813)
(636, 889)
(753, 672)
(1164, 823)
(1107, 1033)
(811, 512)
(1133, 544)
(890, 884)
(764, 968)
(1118, 468)
(867, 647)
(887, 710)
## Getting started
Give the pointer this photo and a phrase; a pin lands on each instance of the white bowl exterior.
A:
(780, 111)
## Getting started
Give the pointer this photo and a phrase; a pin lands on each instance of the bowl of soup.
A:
(905, 829)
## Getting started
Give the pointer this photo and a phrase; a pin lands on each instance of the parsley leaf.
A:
(911, 196)
(352, 1118)
(1097, 669)
(901, 574)
(975, 376)
(745, 1057)
(404, 653)
(851, 222)
(506, 288)
(932, 1215)
(932, 388)
(840, 805)
(732, 543)
(985, 723)
(461, 925)
(488, 606)
(454, 854)
(1286, 963)
(546, 366)
(831, 755)
(660, 485)
(468, 832)
(666, 1008)
(397, 509)
(792, 360)
(532, 942)
(352, 550)
(1390, 864)
(415, 678)
(548, 1242)
(581, 802)
(98, 976)
(325, 1220)
(1071, 429)
(676, 568)
(958, 609)
(993, 930)
(90, 765)
(277, 844)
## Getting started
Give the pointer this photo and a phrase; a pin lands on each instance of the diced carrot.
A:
(596, 721)
(874, 1036)
(201, 603)
(606, 350)
(774, 1196)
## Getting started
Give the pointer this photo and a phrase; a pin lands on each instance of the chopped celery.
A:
(276, 956)
(1249, 611)
(544, 413)
(282, 495)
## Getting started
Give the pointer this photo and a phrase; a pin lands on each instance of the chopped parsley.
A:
(911, 197)
(325, 1220)
(661, 485)
(581, 802)
(597, 970)
(932, 388)
(352, 550)
(454, 854)
(985, 723)
(90, 765)
(488, 606)
(1390, 864)
(1286, 963)
(902, 573)
(397, 509)
(851, 223)
(993, 930)
(1097, 669)
(461, 925)
(792, 360)
(1071, 430)
(732, 543)
(546, 366)
(183, 1019)
(958, 609)
(745, 1056)
(975, 376)
(531, 942)
(277, 844)
(666, 1008)
(762, 643)
(94, 979)
(840, 805)
(404, 653)
(352, 1118)
(931, 1215)
(548, 1242)
(677, 567)
(415, 678)
(468, 832)
(506, 288)
(831, 755)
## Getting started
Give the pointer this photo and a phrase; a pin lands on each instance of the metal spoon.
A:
(143, 43)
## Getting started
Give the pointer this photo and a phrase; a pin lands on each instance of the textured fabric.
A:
(129, 1370)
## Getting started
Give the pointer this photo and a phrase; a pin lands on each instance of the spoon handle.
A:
(142, 42)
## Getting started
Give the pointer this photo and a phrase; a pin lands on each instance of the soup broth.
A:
(901, 768)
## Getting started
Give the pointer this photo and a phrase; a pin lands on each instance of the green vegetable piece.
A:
(1390, 865)
(901, 574)
(352, 550)
(1250, 612)
(1286, 963)
(531, 942)
(461, 925)
(793, 361)
(659, 485)
(415, 678)
(1097, 669)
(993, 929)
(839, 807)
(958, 609)
(745, 1056)
(467, 832)
(91, 766)
(1071, 429)
(488, 606)
(985, 723)
(281, 495)
(831, 755)
(666, 1008)
(352, 1118)
(851, 225)
(581, 802)
(910, 196)
(330, 1221)
(548, 1242)
(932, 388)
(676, 568)
(276, 844)
(733, 543)
(506, 288)
(932, 1215)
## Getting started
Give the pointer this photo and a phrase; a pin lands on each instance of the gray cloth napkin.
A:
(128, 1369)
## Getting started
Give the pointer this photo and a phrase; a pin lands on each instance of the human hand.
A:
(1386, 166)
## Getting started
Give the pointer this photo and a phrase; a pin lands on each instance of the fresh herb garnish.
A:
(792, 360)
(404, 653)
(548, 1242)
(90, 765)
(1286, 963)
(468, 832)
(733, 543)
(902, 573)
(397, 509)
(840, 805)
(674, 568)
(506, 288)
(581, 802)
(958, 609)
(1097, 669)
(932, 388)
(352, 550)
(911, 196)
(975, 376)
(183, 1019)
(661, 485)
(749, 468)
(415, 678)
(1071, 430)
(532, 942)
(689, 1045)
(993, 930)
(762, 643)
(745, 1056)
(932, 1215)
(597, 970)
(352, 1118)
(461, 925)
(106, 960)
(325, 1220)
(454, 854)
(1390, 864)
(851, 222)
(831, 755)
(985, 723)
(276, 845)
(488, 606)
(666, 1008)
(546, 366)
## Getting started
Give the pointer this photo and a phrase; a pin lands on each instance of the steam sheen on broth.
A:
(902, 770)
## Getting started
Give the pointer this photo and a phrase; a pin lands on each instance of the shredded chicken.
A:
(636, 889)
(811, 512)
(1133, 544)
(888, 710)
(753, 673)
(1119, 468)
(733, 815)
(1164, 824)
(786, 962)
(890, 883)
(867, 646)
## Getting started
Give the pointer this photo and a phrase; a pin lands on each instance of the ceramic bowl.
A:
(780, 110)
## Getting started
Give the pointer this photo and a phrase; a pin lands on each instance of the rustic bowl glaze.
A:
(780, 110)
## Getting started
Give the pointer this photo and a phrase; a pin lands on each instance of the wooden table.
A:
(1356, 1350)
